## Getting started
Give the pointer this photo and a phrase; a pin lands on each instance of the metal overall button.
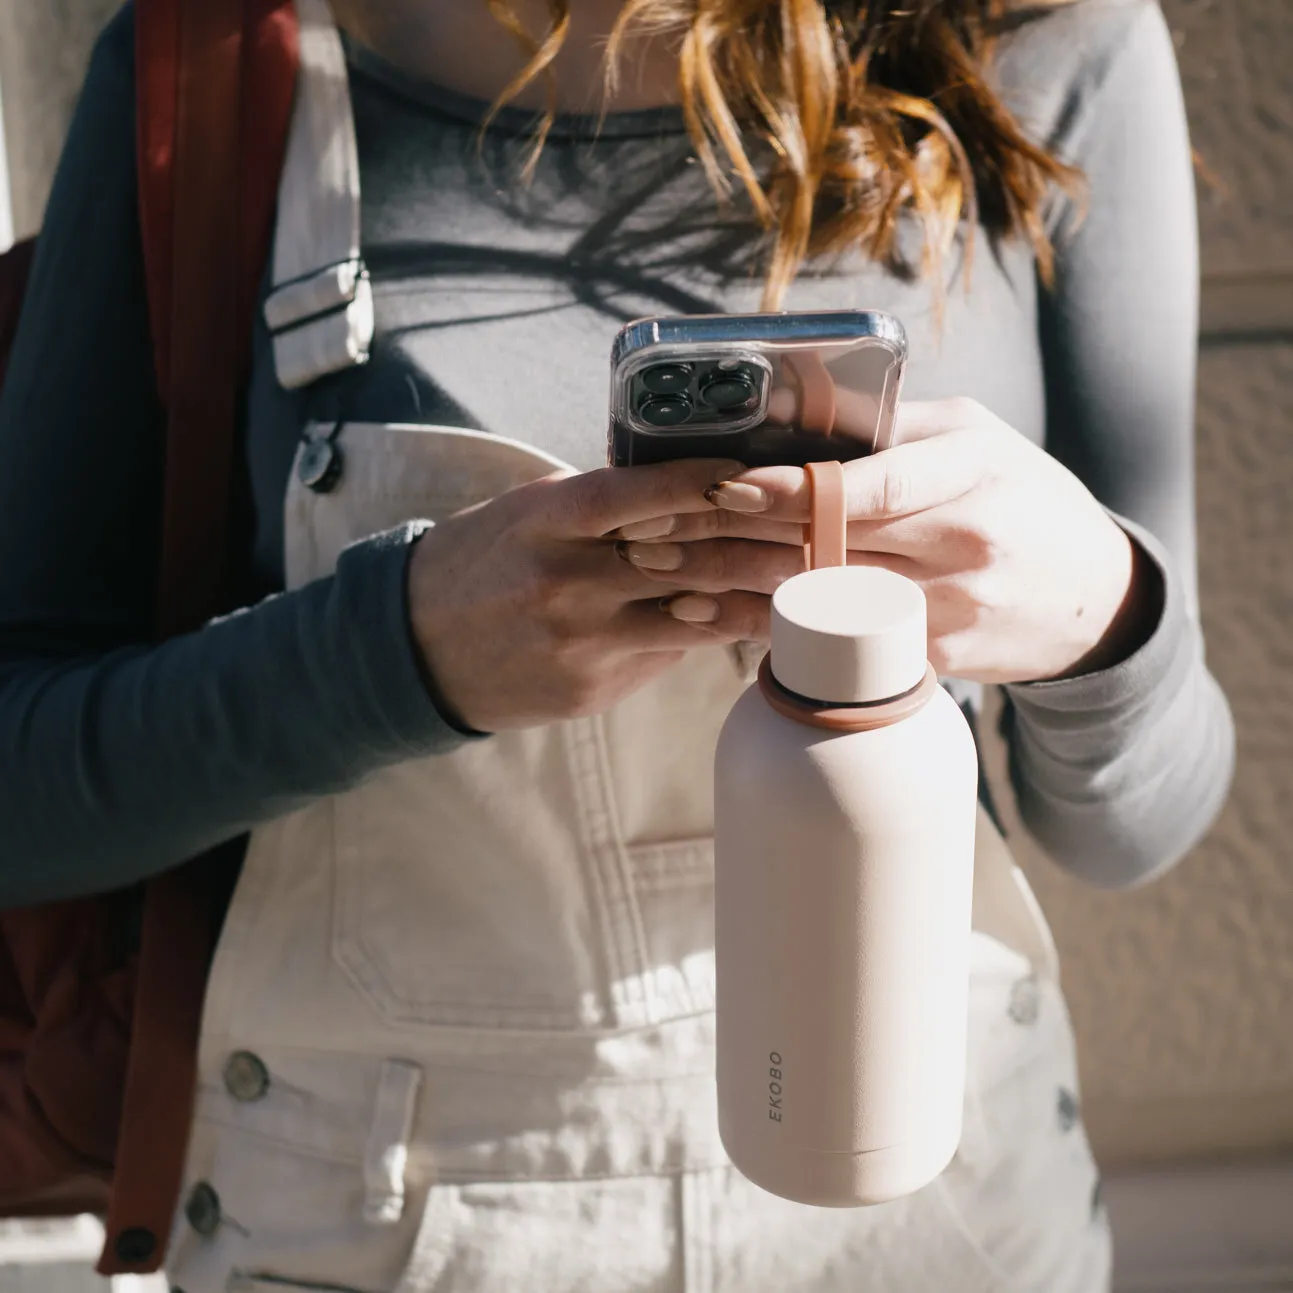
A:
(202, 1209)
(1025, 1001)
(1067, 1109)
(245, 1077)
(319, 466)
(135, 1245)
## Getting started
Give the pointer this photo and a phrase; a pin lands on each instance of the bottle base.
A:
(829, 1179)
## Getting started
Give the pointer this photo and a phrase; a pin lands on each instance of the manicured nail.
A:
(737, 497)
(659, 528)
(693, 608)
(656, 556)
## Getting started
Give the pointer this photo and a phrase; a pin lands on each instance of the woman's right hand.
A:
(525, 614)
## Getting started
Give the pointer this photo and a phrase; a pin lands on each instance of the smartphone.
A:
(763, 389)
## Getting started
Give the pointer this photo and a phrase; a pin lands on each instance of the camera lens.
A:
(729, 392)
(667, 379)
(666, 411)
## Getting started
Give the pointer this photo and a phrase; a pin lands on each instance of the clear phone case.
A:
(764, 389)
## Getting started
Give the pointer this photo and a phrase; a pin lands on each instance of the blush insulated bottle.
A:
(845, 796)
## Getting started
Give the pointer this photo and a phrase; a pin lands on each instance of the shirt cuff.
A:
(371, 588)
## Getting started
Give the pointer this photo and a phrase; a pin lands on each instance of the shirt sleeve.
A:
(1119, 773)
(120, 758)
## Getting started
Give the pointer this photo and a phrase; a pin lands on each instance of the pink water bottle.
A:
(845, 794)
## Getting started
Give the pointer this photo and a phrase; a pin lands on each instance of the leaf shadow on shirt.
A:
(651, 236)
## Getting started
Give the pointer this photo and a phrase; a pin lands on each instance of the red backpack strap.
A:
(215, 82)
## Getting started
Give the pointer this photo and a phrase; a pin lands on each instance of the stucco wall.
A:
(44, 45)
(1182, 992)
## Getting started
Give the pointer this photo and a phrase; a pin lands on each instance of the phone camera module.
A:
(729, 391)
(667, 379)
(665, 411)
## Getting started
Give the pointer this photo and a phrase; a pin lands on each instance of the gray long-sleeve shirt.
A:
(495, 309)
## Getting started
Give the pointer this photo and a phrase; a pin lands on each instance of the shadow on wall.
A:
(1182, 993)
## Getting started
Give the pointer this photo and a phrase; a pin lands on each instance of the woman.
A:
(458, 1032)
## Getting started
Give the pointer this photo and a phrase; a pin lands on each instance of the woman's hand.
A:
(1026, 576)
(525, 614)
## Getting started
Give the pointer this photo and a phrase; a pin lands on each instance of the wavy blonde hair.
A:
(865, 110)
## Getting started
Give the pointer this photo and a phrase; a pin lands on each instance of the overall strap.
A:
(320, 308)
(1005, 907)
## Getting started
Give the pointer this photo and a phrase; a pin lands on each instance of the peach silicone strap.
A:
(817, 410)
(826, 534)
(845, 718)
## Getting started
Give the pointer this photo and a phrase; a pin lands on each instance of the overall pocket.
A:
(593, 1236)
(558, 878)
(739, 1239)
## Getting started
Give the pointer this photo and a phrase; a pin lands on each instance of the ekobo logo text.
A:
(774, 1086)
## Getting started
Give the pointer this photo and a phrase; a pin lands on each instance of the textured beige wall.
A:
(44, 45)
(1235, 61)
(1182, 992)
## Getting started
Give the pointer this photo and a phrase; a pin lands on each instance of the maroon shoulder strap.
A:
(215, 80)
(215, 86)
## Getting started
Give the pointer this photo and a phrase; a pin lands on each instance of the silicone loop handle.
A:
(817, 407)
(826, 534)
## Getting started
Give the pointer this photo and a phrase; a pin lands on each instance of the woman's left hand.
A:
(1026, 576)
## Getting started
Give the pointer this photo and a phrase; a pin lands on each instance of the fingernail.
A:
(693, 608)
(737, 497)
(655, 556)
(660, 528)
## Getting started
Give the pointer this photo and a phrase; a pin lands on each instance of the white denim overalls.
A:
(460, 1034)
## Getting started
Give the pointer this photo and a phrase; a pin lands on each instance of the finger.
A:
(921, 419)
(596, 502)
(717, 565)
(578, 585)
(688, 620)
(600, 576)
(714, 523)
(922, 534)
(895, 561)
(722, 565)
(901, 481)
(903, 534)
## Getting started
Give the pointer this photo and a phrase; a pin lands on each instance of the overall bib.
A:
(459, 1033)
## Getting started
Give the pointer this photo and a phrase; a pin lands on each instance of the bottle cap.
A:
(848, 635)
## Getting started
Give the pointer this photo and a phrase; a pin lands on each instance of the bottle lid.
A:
(848, 635)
